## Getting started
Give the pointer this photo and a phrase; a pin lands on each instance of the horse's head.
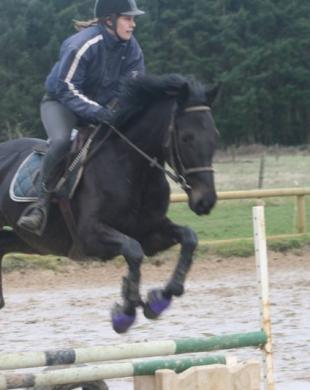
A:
(190, 139)
(191, 143)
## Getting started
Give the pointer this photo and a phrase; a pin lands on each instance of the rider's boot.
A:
(34, 217)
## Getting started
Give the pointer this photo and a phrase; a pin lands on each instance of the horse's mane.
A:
(139, 93)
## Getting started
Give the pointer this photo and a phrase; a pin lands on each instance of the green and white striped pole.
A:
(129, 351)
(92, 373)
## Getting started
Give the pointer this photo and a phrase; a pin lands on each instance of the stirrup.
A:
(28, 210)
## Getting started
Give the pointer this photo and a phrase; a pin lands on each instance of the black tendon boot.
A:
(34, 217)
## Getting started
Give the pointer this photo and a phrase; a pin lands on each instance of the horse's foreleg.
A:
(124, 315)
(188, 240)
(167, 235)
(106, 242)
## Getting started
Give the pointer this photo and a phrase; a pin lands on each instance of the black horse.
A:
(121, 202)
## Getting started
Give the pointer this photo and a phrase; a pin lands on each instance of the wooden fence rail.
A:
(299, 193)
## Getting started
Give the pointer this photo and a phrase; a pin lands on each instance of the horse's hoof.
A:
(156, 304)
(120, 320)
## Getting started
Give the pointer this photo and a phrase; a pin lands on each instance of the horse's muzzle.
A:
(202, 202)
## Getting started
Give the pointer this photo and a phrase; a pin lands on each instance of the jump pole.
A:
(263, 286)
(90, 373)
(17, 360)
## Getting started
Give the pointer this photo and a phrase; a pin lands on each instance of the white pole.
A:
(263, 285)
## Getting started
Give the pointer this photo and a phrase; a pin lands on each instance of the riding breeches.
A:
(58, 122)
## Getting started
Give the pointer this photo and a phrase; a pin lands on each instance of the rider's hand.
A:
(106, 116)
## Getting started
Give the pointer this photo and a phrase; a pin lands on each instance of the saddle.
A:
(25, 185)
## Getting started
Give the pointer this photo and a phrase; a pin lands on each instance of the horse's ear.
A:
(183, 94)
(213, 94)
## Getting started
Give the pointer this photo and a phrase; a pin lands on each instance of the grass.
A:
(233, 219)
(17, 261)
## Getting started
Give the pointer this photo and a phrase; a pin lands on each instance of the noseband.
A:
(175, 157)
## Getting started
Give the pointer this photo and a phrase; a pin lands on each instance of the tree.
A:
(259, 49)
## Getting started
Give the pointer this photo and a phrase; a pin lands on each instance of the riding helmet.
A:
(105, 8)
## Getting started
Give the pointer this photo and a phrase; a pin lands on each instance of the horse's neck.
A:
(123, 163)
(149, 132)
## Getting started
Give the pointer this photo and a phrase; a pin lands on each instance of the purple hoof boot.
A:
(156, 304)
(121, 321)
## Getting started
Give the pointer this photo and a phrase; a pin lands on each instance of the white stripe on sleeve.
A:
(75, 64)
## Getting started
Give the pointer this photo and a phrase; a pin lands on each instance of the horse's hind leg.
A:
(167, 235)
(9, 242)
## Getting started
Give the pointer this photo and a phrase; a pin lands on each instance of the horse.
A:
(120, 204)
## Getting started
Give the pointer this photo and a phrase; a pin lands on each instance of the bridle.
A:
(172, 146)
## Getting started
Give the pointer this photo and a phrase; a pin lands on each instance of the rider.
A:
(83, 86)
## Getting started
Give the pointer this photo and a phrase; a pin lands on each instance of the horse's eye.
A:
(187, 138)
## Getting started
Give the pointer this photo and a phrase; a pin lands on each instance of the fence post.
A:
(263, 284)
(261, 174)
(301, 214)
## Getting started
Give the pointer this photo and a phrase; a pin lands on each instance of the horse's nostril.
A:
(202, 203)
(203, 207)
(199, 206)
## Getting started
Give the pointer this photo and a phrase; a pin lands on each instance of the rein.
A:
(177, 176)
(153, 161)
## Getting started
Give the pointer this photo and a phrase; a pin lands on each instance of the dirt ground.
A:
(46, 309)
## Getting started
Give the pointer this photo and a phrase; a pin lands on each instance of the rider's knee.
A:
(60, 144)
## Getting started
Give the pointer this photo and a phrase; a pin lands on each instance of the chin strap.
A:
(113, 28)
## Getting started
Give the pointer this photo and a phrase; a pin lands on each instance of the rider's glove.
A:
(105, 116)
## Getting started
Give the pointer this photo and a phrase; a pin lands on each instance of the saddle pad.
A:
(25, 184)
